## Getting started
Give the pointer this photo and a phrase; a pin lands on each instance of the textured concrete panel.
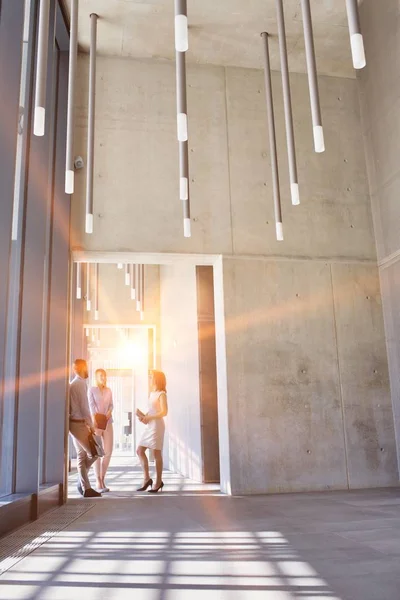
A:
(136, 187)
(380, 78)
(370, 439)
(333, 186)
(390, 285)
(286, 429)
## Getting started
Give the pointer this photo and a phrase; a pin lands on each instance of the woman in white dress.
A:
(153, 436)
(101, 406)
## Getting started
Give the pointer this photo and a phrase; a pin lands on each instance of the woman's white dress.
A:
(153, 436)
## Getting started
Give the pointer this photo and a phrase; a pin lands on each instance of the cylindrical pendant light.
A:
(127, 275)
(142, 296)
(41, 68)
(356, 38)
(319, 144)
(88, 300)
(181, 26)
(287, 103)
(139, 288)
(184, 187)
(181, 45)
(120, 266)
(272, 138)
(73, 55)
(78, 280)
(181, 97)
(133, 282)
(91, 121)
(96, 292)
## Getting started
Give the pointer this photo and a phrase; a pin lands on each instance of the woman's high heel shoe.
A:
(148, 483)
(159, 489)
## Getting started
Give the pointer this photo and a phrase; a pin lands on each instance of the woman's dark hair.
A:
(160, 380)
(100, 371)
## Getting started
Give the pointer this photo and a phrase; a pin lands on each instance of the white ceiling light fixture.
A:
(39, 124)
(88, 300)
(139, 289)
(287, 103)
(181, 26)
(133, 282)
(96, 292)
(73, 56)
(142, 295)
(356, 38)
(78, 281)
(120, 266)
(272, 138)
(181, 46)
(319, 143)
(127, 275)
(91, 123)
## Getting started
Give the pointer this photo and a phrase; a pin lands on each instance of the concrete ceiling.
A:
(222, 32)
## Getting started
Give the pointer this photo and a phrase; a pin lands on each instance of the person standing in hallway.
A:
(101, 407)
(153, 437)
(80, 427)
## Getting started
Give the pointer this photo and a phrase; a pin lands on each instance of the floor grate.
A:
(16, 546)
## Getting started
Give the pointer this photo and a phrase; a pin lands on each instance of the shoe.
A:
(149, 483)
(79, 488)
(159, 489)
(103, 490)
(91, 493)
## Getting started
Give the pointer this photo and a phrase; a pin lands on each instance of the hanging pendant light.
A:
(142, 303)
(133, 282)
(319, 144)
(181, 46)
(272, 138)
(96, 292)
(181, 26)
(88, 300)
(120, 266)
(139, 289)
(78, 281)
(91, 123)
(287, 103)
(41, 69)
(127, 275)
(356, 38)
(73, 55)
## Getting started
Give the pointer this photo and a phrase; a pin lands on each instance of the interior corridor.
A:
(192, 540)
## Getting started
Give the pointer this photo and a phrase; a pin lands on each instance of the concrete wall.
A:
(288, 430)
(379, 86)
(307, 369)
(137, 203)
(180, 361)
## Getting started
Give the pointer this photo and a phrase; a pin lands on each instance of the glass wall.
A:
(34, 255)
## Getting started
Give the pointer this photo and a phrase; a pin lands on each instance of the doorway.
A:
(177, 334)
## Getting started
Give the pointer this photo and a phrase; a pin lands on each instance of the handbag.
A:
(100, 421)
(96, 447)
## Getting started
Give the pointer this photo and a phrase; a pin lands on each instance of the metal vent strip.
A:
(22, 542)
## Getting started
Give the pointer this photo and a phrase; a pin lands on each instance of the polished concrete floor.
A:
(191, 542)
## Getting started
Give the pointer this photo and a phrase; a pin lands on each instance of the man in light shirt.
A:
(80, 426)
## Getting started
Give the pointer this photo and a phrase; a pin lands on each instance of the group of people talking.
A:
(91, 427)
